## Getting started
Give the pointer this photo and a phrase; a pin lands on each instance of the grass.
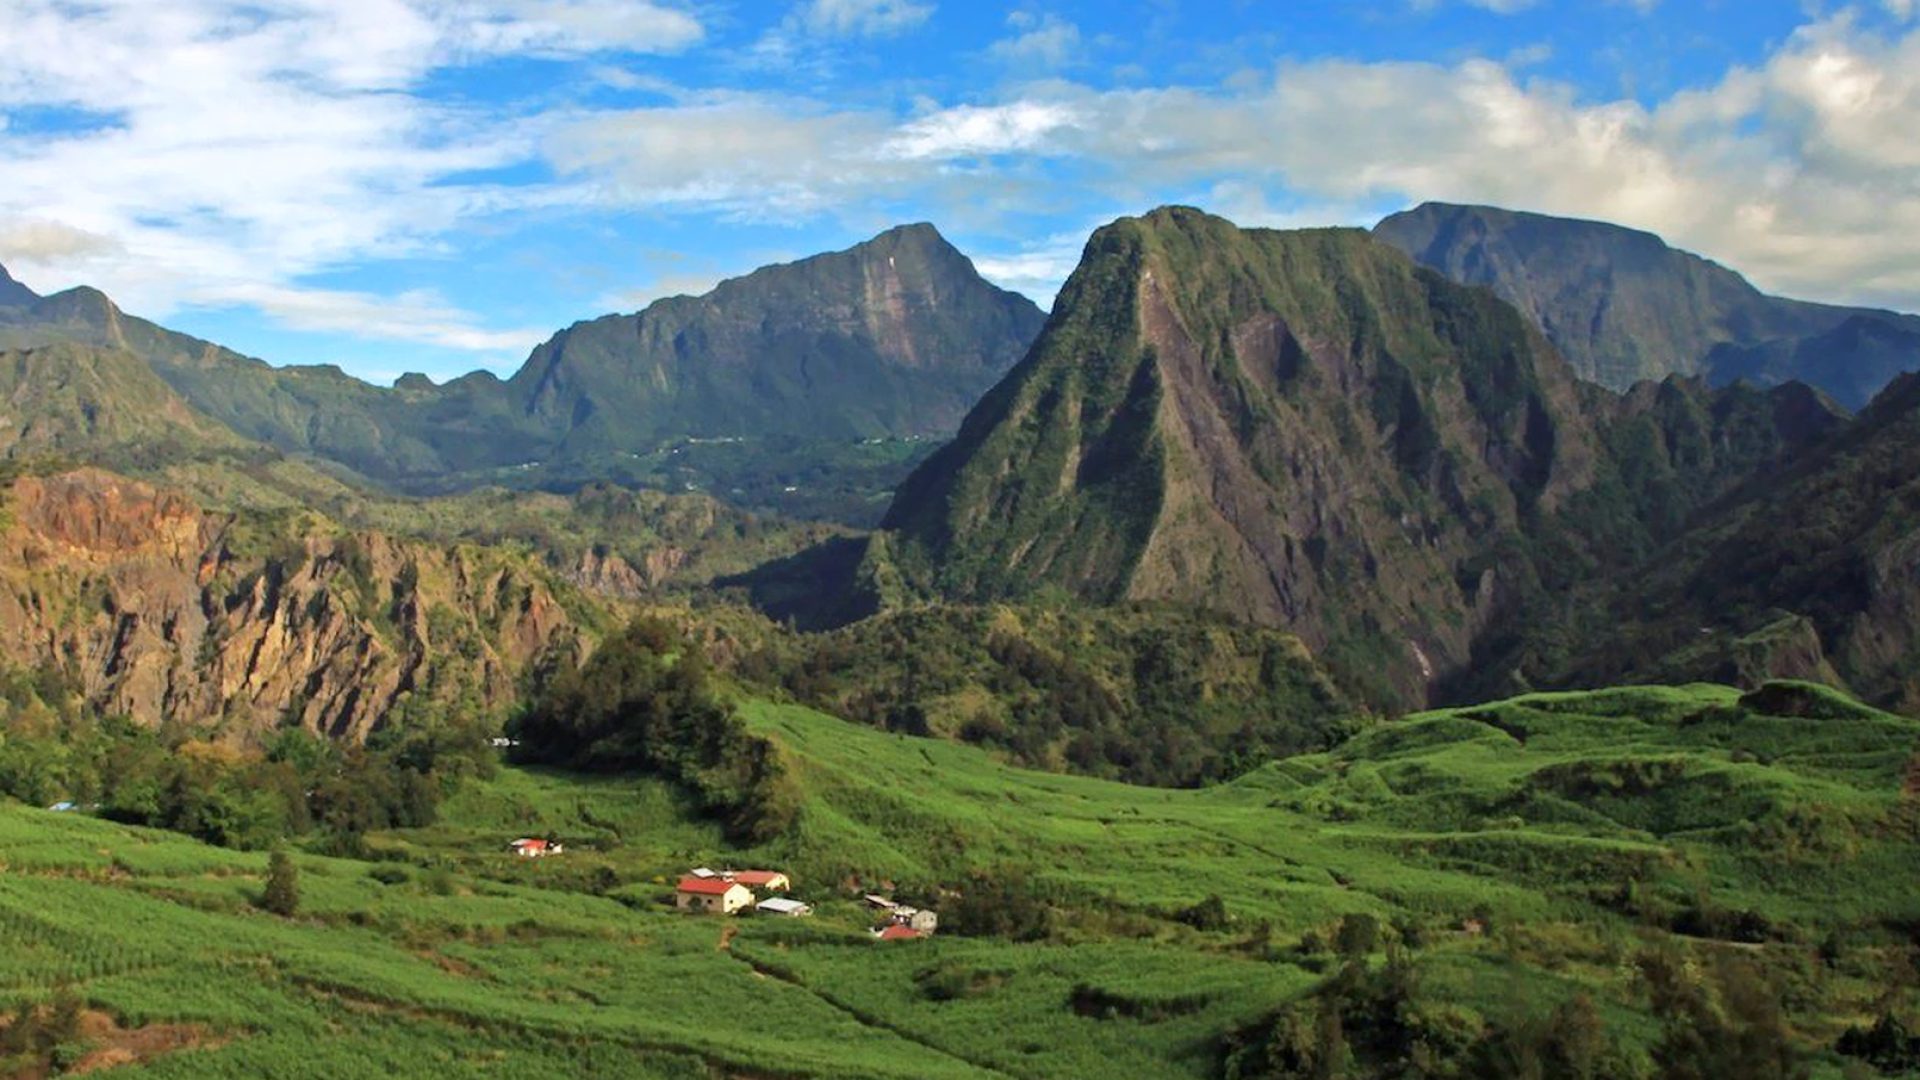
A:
(452, 958)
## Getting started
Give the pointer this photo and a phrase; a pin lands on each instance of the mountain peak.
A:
(1623, 305)
(1252, 421)
(14, 294)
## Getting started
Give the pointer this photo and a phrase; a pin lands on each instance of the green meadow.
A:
(1512, 856)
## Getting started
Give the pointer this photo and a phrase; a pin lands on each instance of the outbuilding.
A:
(762, 880)
(780, 905)
(711, 895)
(531, 848)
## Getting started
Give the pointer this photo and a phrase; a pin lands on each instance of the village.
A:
(705, 891)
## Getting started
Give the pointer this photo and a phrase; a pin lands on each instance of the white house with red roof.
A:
(716, 896)
(528, 847)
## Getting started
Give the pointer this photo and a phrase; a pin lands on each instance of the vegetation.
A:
(55, 750)
(1144, 694)
(282, 894)
(646, 702)
(1492, 891)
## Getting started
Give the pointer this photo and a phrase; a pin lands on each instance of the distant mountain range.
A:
(894, 338)
(1402, 464)
(1308, 430)
(1623, 306)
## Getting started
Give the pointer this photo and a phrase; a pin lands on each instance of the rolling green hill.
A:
(1496, 862)
(1624, 307)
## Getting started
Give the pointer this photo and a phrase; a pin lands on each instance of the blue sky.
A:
(437, 185)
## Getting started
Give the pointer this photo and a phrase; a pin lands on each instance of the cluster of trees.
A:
(1148, 696)
(646, 701)
(53, 748)
(1373, 1021)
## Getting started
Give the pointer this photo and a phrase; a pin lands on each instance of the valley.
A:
(1284, 661)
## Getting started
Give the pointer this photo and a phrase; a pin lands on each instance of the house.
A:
(779, 905)
(923, 922)
(896, 932)
(762, 880)
(711, 895)
(531, 848)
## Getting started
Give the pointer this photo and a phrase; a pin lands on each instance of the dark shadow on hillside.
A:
(816, 589)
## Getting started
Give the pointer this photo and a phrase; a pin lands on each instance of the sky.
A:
(439, 185)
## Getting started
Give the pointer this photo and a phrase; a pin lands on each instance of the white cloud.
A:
(860, 18)
(563, 27)
(1039, 41)
(416, 315)
(978, 131)
(236, 148)
(754, 156)
(37, 241)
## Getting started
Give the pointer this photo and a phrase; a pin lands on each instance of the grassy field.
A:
(1526, 850)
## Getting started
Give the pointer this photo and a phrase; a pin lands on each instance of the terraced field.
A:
(1521, 853)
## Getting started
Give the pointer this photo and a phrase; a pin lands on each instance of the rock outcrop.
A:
(166, 612)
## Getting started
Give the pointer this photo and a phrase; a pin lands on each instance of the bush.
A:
(282, 895)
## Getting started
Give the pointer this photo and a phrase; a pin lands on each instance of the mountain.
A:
(1623, 306)
(896, 336)
(98, 404)
(1309, 431)
(1812, 570)
(1300, 429)
(322, 411)
(163, 610)
(12, 293)
(893, 339)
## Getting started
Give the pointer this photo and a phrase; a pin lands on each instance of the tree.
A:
(282, 896)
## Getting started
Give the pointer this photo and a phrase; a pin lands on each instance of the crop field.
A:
(1523, 852)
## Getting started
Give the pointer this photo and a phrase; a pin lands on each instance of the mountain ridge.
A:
(1308, 430)
(893, 337)
(1623, 305)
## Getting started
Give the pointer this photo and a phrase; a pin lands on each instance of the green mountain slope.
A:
(98, 404)
(311, 410)
(1307, 430)
(1623, 306)
(897, 336)
(1489, 863)
(1808, 570)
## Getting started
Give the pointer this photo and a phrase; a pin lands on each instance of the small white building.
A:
(780, 905)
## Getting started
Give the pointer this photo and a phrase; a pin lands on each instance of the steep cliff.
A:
(167, 612)
(1299, 429)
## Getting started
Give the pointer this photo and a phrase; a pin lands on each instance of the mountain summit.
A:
(1624, 306)
(14, 294)
(895, 336)
(1302, 429)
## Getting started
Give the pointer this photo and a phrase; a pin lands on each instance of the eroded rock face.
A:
(165, 611)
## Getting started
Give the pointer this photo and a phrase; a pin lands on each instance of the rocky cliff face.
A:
(1309, 431)
(1624, 307)
(1299, 429)
(167, 612)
